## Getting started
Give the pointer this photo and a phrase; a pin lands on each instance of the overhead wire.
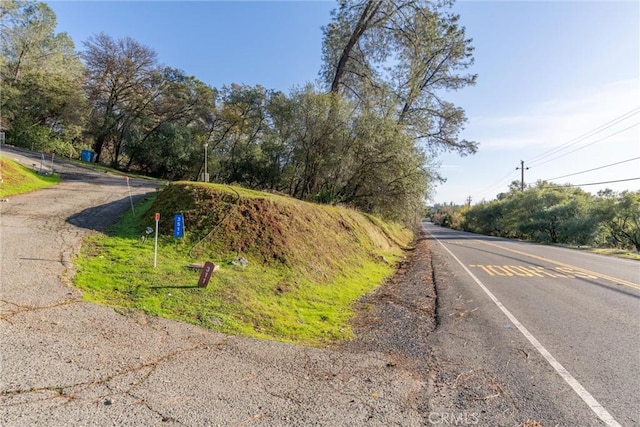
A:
(599, 183)
(496, 183)
(585, 146)
(533, 161)
(591, 170)
(584, 136)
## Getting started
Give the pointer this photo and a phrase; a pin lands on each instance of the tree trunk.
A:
(363, 23)
(97, 146)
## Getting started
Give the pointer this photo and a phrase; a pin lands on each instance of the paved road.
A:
(573, 317)
(66, 362)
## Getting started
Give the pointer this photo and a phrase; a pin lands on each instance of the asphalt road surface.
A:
(560, 328)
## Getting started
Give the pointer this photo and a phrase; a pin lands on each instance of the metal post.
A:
(205, 178)
(155, 246)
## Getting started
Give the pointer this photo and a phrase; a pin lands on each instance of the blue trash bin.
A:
(86, 155)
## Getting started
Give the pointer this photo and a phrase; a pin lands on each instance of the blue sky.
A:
(549, 72)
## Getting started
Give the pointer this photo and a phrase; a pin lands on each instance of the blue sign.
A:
(178, 225)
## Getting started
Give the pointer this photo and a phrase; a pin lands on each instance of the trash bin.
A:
(86, 155)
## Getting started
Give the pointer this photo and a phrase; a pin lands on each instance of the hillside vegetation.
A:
(357, 137)
(307, 263)
(16, 179)
(550, 213)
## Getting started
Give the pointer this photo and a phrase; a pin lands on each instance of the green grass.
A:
(614, 252)
(17, 179)
(294, 292)
(620, 253)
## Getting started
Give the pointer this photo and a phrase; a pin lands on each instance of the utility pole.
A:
(205, 177)
(469, 201)
(521, 168)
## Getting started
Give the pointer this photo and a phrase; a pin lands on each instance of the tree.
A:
(619, 216)
(43, 104)
(381, 171)
(122, 80)
(399, 55)
(237, 136)
(318, 131)
(277, 146)
(486, 218)
(333, 152)
(166, 139)
(544, 213)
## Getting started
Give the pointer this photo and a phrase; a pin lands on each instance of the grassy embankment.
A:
(17, 179)
(620, 253)
(307, 263)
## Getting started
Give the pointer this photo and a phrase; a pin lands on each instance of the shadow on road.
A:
(448, 234)
(99, 218)
(98, 178)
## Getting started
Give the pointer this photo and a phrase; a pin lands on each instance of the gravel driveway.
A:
(66, 362)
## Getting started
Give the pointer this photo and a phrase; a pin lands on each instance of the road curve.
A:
(577, 316)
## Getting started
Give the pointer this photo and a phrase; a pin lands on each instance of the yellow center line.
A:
(584, 270)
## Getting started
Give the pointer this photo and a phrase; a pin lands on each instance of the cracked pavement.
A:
(67, 362)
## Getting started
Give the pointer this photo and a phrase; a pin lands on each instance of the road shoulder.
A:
(483, 371)
(453, 341)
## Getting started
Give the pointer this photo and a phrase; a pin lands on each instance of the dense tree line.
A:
(364, 136)
(41, 77)
(551, 213)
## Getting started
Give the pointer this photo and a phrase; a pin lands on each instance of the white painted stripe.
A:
(600, 411)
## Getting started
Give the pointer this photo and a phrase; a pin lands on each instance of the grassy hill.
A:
(307, 263)
(18, 179)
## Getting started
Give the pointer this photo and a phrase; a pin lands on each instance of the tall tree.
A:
(401, 55)
(237, 138)
(122, 80)
(41, 74)
(384, 172)
(338, 153)
(166, 139)
(317, 125)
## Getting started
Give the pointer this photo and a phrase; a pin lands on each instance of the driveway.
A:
(67, 362)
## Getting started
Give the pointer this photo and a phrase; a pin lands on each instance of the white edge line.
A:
(596, 407)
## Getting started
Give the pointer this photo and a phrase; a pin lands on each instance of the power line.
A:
(599, 183)
(588, 145)
(594, 169)
(497, 183)
(585, 135)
